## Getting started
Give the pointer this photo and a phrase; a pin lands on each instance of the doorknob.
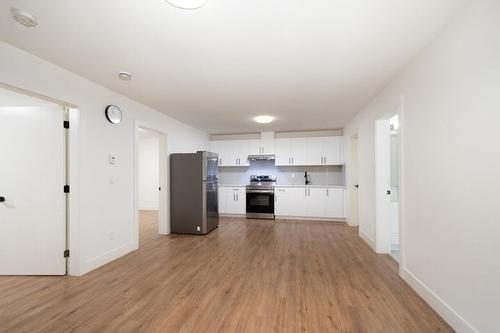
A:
(2, 199)
(356, 186)
(388, 192)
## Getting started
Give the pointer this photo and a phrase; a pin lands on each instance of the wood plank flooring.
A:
(247, 276)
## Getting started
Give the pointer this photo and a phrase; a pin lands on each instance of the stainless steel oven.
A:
(260, 197)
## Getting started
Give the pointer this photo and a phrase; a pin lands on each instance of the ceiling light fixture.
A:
(24, 17)
(264, 119)
(187, 4)
(125, 76)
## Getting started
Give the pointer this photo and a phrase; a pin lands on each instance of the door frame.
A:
(382, 226)
(72, 172)
(351, 182)
(164, 198)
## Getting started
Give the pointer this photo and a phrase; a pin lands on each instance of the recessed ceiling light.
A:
(125, 76)
(264, 119)
(24, 17)
(187, 4)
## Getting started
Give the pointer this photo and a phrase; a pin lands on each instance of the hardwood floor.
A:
(247, 276)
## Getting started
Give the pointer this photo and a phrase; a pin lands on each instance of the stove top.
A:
(262, 182)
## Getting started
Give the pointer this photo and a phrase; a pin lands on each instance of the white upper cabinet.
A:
(315, 151)
(231, 152)
(324, 150)
(309, 151)
(261, 147)
(291, 151)
(333, 150)
(283, 152)
(288, 151)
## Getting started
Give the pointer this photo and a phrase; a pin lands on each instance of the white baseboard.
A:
(367, 239)
(233, 215)
(458, 323)
(149, 208)
(107, 257)
(301, 218)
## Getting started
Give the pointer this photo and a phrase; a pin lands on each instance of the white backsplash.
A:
(286, 175)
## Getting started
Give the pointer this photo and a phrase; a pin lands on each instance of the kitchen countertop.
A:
(311, 186)
(279, 185)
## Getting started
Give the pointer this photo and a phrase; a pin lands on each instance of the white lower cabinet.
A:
(317, 202)
(289, 201)
(232, 200)
(335, 202)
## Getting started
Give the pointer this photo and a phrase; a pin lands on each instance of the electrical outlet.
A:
(198, 228)
(112, 159)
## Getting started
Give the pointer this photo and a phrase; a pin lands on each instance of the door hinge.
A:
(66, 188)
(66, 253)
(66, 124)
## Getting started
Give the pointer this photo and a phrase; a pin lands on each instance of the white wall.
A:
(106, 192)
(451, 162)
(149, 177)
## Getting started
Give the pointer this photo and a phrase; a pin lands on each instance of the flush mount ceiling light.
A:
(264, 119)
(125, 76)
(24, 17)
(187, 4)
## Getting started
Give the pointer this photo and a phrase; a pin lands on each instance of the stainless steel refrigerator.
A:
(194, 193)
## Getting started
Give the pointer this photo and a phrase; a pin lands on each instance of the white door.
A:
(353, 188)
(315, 202)
(334, 202)
(32, 178)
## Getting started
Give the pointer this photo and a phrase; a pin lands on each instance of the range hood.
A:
(261, 157)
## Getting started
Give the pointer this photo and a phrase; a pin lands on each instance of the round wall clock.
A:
(113, 114)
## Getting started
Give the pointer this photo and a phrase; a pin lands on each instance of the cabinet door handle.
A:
(305, 192)
(325, 159)
(327, 193)
(308, 192)
(237, 197)
(292, 161)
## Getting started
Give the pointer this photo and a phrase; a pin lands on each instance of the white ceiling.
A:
(311, 63)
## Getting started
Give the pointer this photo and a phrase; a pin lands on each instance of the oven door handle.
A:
(261, 191)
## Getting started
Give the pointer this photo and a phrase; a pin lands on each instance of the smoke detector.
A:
(187, 4)
(24, 17)
(125, 76)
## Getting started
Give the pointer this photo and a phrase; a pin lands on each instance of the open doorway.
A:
(387, 173)
(151, 184)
